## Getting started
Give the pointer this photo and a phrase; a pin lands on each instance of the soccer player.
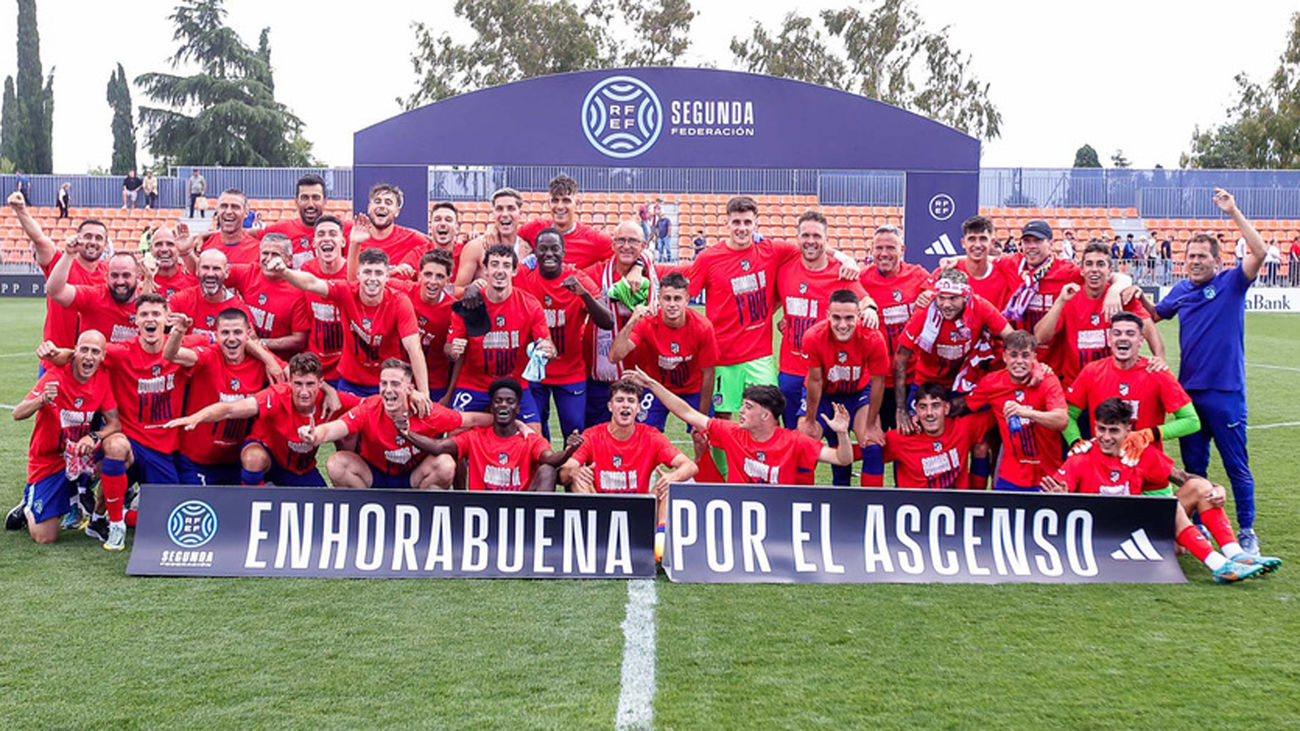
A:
(280, 313)
(1106, 469)
(274, 452)
(584, 246)
(67, 401)
(986, 279)
(502, 456)
(204, 301)
(568, 305)
(847, 365)
(217, 374)
(1212, 304)
(231, 238)
(326, 336)
(894, 286)
(92, 238)
(515, 322)
(507, 205)
(432, 305)
(387, 455)
(166, 275)
(1151, 395)
(109, 306)
(1079, 319)
(934, 455)
(804, 293)
(676, 346)
(444, 232)
(758, 450)
(1031, 414)
(378, 229)
(310, 200)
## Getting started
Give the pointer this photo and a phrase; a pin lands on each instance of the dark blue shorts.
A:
(796, 397)
(381, 480)
(655, 414)
(50, 496)
(1001, 484)
(281, 477)
(356, 388)
(570, 405)
(468, 401)
(152, 467)
(193, 473)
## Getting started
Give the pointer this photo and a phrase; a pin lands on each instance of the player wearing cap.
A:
(280, 315)
(432, 304)
(583, 245)
(329, 264)
(231, 238)
(894, 285)
(934, 454)
(1108, 469)
(204, 301)
(378, 228)
(310, 199)
(108, 306)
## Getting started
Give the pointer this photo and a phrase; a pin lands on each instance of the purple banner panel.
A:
(742, 534)
(249, 531)
(935, 206)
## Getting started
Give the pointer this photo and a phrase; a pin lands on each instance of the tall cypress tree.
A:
(8, 121)
(119, 99)
(33, 148)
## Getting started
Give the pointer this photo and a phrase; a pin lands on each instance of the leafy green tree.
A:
(119, 99)
(1119, 161)
(29, 115)
(1086, 157)
(9, 121)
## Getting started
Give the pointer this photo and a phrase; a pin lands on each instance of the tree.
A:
(119, 100)
(29, 113)
(886, 53)
(1119, 161)
(504, 48)
(236, 119)
(9, 121)
(1086, 157)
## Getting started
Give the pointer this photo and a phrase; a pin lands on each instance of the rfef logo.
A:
(192, 524)
(622, 116)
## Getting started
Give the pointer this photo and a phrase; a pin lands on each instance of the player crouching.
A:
(1111, 467)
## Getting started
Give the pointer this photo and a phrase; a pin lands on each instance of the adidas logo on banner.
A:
(942, 247)
(1137, 548)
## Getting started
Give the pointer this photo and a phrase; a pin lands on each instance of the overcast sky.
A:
(1136, 76)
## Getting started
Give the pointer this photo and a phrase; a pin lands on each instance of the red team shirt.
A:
(326, 336)
(60, 321)
(955, 340)
(247, 250)
(804, 296)
(1035, 449)
(168, 286)
(742, 295)
(203, 313)
(996, 286)
(1098, 474)
(628, 465)
(774, 462)
(370, 334)
(380, 444)
(1081, 328)
(1150, 395)
(398, 244)
(895, 296)
(61, 424)
(434, 321)
(934, 462)
(566, 319)
(1061, 273)
(847, 367)
(278, 308)
(149, 391)
(300, 235)
(675, 356)
(99, 311)
(276, 426)
(497, 463)
(212, 380)
(583, 245)
(502, 352)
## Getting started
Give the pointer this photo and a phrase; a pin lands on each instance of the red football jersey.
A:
(168, 286)
(212, 380)
(996, 285)
(934, 462)
(804, 297)
(627, 465)
(149, 391)
(276, 426)
(503, 351)
(497, 463)
(61, 322)
(1061, 273)
(895, 295)
(741, 295)
(675, 356)
(954, 342)
(1035, 450)
(326, 336)
(300, 235)
(1150, 395)
(190, 301)
(247, 250)
(278, 308)
(99, 311)
(380, 444)
(412, 258)
(774, 462)
(1082, 328)
(1095, 473)
(847, 367)
(61, 424)
(434, 321)
(566, 319)
(370, 334)
(583, 245)
(399, 243)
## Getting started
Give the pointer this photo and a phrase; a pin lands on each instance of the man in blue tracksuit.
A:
(1212, 305)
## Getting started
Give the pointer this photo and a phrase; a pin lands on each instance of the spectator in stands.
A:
(1152, 257)
(1139, 258)
(64, 200)
(1293, 262)
(24, 187)
(146, 240)
(700, 242)
(1272, 260)
(1129, 250)
(131, 186)
(150, 191)
(198, 187)
(642, 212)
(1009, 247)
(1116, 251)
(1166, 259)
(663, 227)
(1068, 251)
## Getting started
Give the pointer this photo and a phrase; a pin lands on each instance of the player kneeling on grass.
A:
(274, 452)
(505, 455)
(1107, 466)
(758, 451)
(622, 455)
(66, 401)
(386, 454)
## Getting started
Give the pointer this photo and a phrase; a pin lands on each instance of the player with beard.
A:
(330, 263)
(1109, 468)
(934, 455)
(387, 455)
(675, 345)
(378, 228)
(273, 451)
(108, 307)
(67, 401)
(444, 230)
(231, 238)
(92, 237)
(584, 246)
(568, 306)
(310, 200)
(986, 279)
(280, 313)
(507, 206)
(204, 301)
(503, 456)
(432, 306)
(894, 285)
(166, 275)
(804, 293)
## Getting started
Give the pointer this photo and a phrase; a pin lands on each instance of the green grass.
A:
(86, 643)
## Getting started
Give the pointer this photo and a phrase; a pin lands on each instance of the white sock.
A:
(114, 523)
(1215, 561)
(1230, 549)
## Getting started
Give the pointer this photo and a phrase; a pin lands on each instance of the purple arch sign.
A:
(671, 117)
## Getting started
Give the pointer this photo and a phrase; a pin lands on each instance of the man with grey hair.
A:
(279, 310)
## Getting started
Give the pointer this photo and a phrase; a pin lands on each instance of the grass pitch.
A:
(85, 644)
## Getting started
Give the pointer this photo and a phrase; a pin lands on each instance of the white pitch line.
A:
(636, 697)
(1273, 426)
(1274, 367)
(31, 354)
(9, 407)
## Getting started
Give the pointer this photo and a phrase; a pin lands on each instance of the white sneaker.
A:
(116, 537)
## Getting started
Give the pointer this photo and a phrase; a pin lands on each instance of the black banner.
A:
(22, 285)
(248, 531)
(740, 534)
